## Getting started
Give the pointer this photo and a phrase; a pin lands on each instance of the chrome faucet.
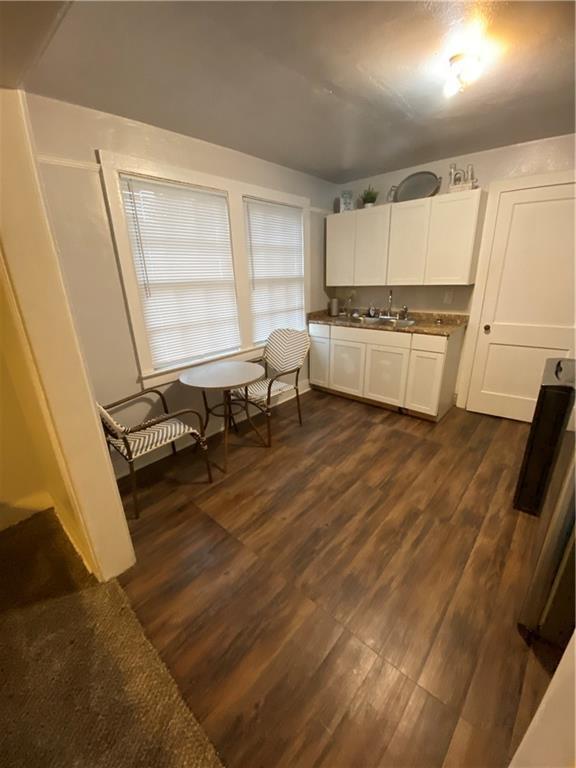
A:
(390, 304)
(349, 306)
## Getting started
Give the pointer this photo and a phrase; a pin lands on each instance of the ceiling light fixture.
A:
(464, 70)
(468, 54)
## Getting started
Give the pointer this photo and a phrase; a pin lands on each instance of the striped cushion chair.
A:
(284, 354)
(149, 435)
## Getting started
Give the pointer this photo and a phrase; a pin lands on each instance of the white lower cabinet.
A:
(347, 366)
(408, 370)
(319, 372)
(424, 381)
(386, 374)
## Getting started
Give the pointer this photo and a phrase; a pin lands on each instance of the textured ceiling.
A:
(25, 29)
(340, 90)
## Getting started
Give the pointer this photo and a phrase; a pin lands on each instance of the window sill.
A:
(171, 374)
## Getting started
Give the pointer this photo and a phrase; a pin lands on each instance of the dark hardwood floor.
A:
(349, 597)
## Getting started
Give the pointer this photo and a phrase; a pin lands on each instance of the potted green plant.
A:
(369, 197)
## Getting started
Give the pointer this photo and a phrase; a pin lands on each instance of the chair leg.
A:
(201, 442)
(204, 447)
(298, 405)
(269, 425)
(134, 490)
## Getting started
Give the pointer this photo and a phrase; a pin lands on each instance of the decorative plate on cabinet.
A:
(416, 186)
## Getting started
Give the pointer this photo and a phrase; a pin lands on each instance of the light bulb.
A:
(452, 87)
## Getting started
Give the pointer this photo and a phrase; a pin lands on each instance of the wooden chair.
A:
(284, 354)
(136, 441)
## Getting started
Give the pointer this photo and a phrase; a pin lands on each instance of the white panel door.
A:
(347, 366)
(451, 257)
(340, 243)
(386, 374)
(319, 372)
(424, 380)
(528, 310)
(371, 252)
(408, 242)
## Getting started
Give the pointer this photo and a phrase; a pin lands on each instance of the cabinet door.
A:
(451, 257)
(424, 380)
(386, 374)
(371, 251)
(347, 366)
(408, 242)
(319, 361)
(340, 242)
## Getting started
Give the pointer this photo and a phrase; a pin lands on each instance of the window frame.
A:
(112, 165)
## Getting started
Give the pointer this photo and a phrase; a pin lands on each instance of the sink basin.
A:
(401, 323)
(391, 321)
(363, 320)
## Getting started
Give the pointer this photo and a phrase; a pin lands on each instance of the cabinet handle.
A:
(487, 328)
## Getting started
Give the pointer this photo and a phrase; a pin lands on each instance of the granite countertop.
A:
(426, 322)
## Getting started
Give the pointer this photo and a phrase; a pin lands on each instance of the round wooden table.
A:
(226, 376)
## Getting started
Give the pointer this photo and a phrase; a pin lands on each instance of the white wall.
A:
(44, 357)
(529, 158)
(549, 741)
(66, 137)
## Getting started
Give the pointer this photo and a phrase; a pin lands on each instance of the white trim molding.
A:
(83, 165)
(112, 165)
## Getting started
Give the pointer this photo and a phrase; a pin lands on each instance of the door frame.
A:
(495, 191)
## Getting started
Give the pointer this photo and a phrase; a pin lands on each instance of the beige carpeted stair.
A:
(80, 684)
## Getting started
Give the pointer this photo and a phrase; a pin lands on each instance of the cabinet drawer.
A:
(317, 329)
(370, 336)
(429, 343)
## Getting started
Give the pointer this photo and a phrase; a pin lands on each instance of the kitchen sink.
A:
(398, 323)
(389, 321)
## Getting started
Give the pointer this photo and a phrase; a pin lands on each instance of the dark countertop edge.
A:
(422, 325)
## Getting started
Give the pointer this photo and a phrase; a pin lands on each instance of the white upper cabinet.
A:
(371, 251)
(408, 244)
(340, 244)
(433, 241)
(452, 248)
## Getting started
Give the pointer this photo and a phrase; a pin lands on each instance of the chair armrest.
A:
(285, 373)
(166, 417)
(279, 376)
(136, 396)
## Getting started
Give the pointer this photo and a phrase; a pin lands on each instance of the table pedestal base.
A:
(227, 409)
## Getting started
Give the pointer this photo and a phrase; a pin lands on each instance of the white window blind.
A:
(180, 238)
(276, 251)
